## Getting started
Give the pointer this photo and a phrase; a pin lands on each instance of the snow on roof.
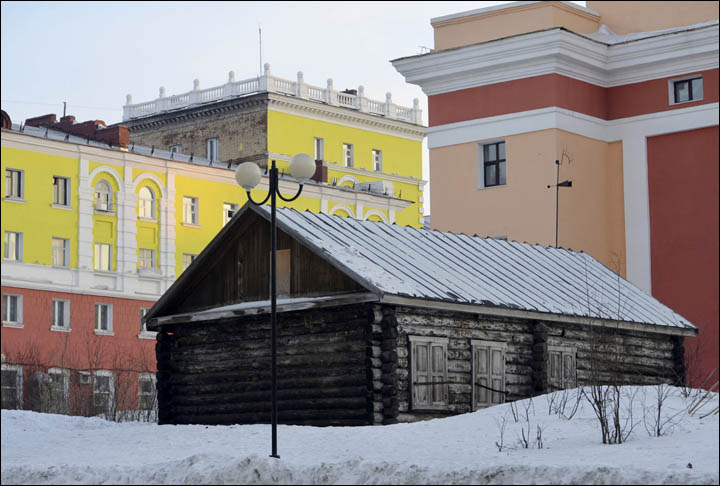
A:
(432, 265)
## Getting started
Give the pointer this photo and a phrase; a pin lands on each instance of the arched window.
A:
(146, 203)
(103, 196)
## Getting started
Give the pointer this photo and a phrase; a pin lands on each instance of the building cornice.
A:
(251, 103)
(351, 118)
(553, 117)
(337, 167)
(558, 51)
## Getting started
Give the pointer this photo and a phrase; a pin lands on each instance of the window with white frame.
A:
(348, 155)
(561, 367)
(229, 210)
(686, 89)
(146, 203)
(190, 210)
(103, 318)
(14, 184)
(492, 170)
(11, 382)
(59, 390)
(103, 196)
(13, 246)
(146, 258)
(103, 257)
(319, 148)
(61, 252)
(213, 149)
(103, 391)
(61, 314)
(12, 310)
(147, 392)
(377, 160)
(176, 149)
(488, 373)
(428, 360)
(188, 258)
(61, 191)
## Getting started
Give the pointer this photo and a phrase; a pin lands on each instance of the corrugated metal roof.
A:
(457, 268)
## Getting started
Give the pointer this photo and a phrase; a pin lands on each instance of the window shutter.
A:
(488, 373)
(568, 371)
(438, 373)
(482, 375)
(497, 373)
(555, 369)
(422, 374)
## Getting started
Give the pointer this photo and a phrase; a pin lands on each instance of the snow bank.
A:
(54, 449)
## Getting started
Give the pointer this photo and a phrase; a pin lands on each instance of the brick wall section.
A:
(80, 348)
(240, 126)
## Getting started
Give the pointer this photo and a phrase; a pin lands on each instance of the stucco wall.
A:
(624, 17)
(506, 22)
(591, 212)
(683, 185)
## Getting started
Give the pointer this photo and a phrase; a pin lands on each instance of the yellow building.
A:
(360, 144)
(94, 233)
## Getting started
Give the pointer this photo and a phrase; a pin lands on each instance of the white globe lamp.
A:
(248, 175)
(302, 167)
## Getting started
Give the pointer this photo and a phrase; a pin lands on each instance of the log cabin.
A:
(380, 324)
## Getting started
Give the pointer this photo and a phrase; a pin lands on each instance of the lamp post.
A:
(302, 167)
(557, 185)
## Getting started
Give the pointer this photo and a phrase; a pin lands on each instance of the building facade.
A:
(359, 142)
(93, 233)
(624, 96)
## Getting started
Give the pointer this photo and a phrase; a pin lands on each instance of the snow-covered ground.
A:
(54, 449)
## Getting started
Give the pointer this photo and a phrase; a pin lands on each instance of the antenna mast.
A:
(260, 35)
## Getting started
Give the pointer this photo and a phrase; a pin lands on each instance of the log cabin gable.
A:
(235, 268)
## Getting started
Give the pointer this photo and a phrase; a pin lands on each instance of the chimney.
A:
(41, 121)
(117, 136)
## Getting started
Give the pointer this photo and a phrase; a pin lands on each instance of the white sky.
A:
(91, 54)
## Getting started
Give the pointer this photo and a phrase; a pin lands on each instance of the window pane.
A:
(501, 151)
(682, 91)
(490, 152)
(490, 175)
(13, 301)
(501, 179)
(697, 89)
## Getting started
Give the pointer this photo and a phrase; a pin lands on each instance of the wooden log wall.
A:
(603, 355)
(460, 329)
(219, 372)
(611, 355)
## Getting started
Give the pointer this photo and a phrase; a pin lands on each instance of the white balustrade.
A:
(273, 84)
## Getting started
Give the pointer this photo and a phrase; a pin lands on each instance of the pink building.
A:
(625, 96)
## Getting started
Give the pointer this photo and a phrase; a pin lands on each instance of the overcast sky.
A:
(93, 54)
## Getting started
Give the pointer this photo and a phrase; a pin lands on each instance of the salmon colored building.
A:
(624, 95)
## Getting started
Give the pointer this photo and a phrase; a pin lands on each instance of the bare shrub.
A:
(656, 418)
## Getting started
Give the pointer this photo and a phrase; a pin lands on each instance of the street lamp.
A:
(556, 186)
(302, 167)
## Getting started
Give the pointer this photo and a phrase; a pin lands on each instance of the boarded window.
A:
(429, 372)
(561, 367)
(488, 373)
